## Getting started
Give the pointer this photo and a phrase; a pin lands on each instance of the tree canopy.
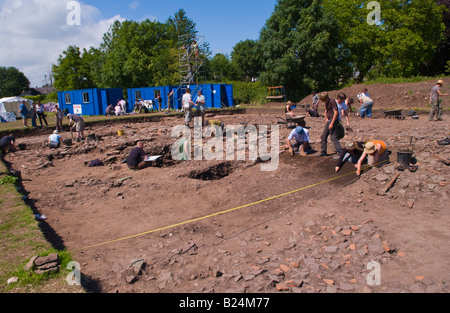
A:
(300, 50)
(304, 45)
(12, 82)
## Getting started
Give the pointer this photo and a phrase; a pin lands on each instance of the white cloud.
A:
(33, 33)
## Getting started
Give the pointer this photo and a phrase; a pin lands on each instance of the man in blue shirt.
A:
(24, 113)
(301, 136)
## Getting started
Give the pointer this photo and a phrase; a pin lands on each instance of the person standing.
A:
(331, 125)
(33, 115)
(342, 107)
(169, 100)
(436, 106)
(58, 117)
(315, 101)
(41, 113)
(187, 106)
(201, 106)
(24, 112)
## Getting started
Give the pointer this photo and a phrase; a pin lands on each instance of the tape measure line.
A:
(223, 212)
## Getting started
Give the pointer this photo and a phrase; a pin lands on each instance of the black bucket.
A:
(22, 146)
(404, 156)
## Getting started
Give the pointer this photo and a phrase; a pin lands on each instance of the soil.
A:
(227, 226)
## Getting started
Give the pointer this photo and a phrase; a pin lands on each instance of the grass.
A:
(20, 240)
(89, 120)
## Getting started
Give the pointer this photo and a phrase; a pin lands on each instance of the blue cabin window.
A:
(67, 98)
(137, 94)
(86, 97)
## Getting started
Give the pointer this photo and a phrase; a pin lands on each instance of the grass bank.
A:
(21, 238)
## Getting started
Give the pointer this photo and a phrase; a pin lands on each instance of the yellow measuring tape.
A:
(223, 212)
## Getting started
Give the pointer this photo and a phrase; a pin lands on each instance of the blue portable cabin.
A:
(151, 93)
(89, 101)
(216, 95)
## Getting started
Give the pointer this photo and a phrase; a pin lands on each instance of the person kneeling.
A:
(54, 141)
(137, 158)
(302, 145)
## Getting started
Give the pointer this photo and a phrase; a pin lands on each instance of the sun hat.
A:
(369, 148)
(440, 81)
(56, 132)
(299, 130)
(351, 145)
(324, 96)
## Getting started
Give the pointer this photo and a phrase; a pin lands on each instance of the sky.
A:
(34, 33)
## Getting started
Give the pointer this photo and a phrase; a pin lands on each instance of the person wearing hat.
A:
(331, 125)
(301, 136)
(436, 106)
(376, 153)
(352, 151)
(289, 108)
(54, 140)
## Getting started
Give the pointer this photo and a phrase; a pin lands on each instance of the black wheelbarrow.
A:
(292, 121)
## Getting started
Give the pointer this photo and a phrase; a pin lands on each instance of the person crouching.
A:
(54, 141)
(301, 136)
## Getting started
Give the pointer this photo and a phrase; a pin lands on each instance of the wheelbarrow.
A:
(394, 114)
(292, 121)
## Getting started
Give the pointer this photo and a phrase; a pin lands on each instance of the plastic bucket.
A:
(404, 156)
(120, 133)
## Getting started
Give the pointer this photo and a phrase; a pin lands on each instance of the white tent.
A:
(10, 107)
(12, 104)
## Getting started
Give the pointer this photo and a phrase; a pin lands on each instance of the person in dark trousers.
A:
(436, 106)
(352, 151)
(331, 125)
(7, 143)
(40, 111)
(136, 158)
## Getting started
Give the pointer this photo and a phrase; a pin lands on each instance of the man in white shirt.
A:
(301, 136)
(54, 141)
(187, 106)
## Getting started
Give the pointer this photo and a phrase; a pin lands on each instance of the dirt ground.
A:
(299, 228)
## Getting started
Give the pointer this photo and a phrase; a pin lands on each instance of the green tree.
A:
(300, 50)
(220, 68)
(71, 73)
(12, 82)
(404, 39)
(138, 54)
(247, 58)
